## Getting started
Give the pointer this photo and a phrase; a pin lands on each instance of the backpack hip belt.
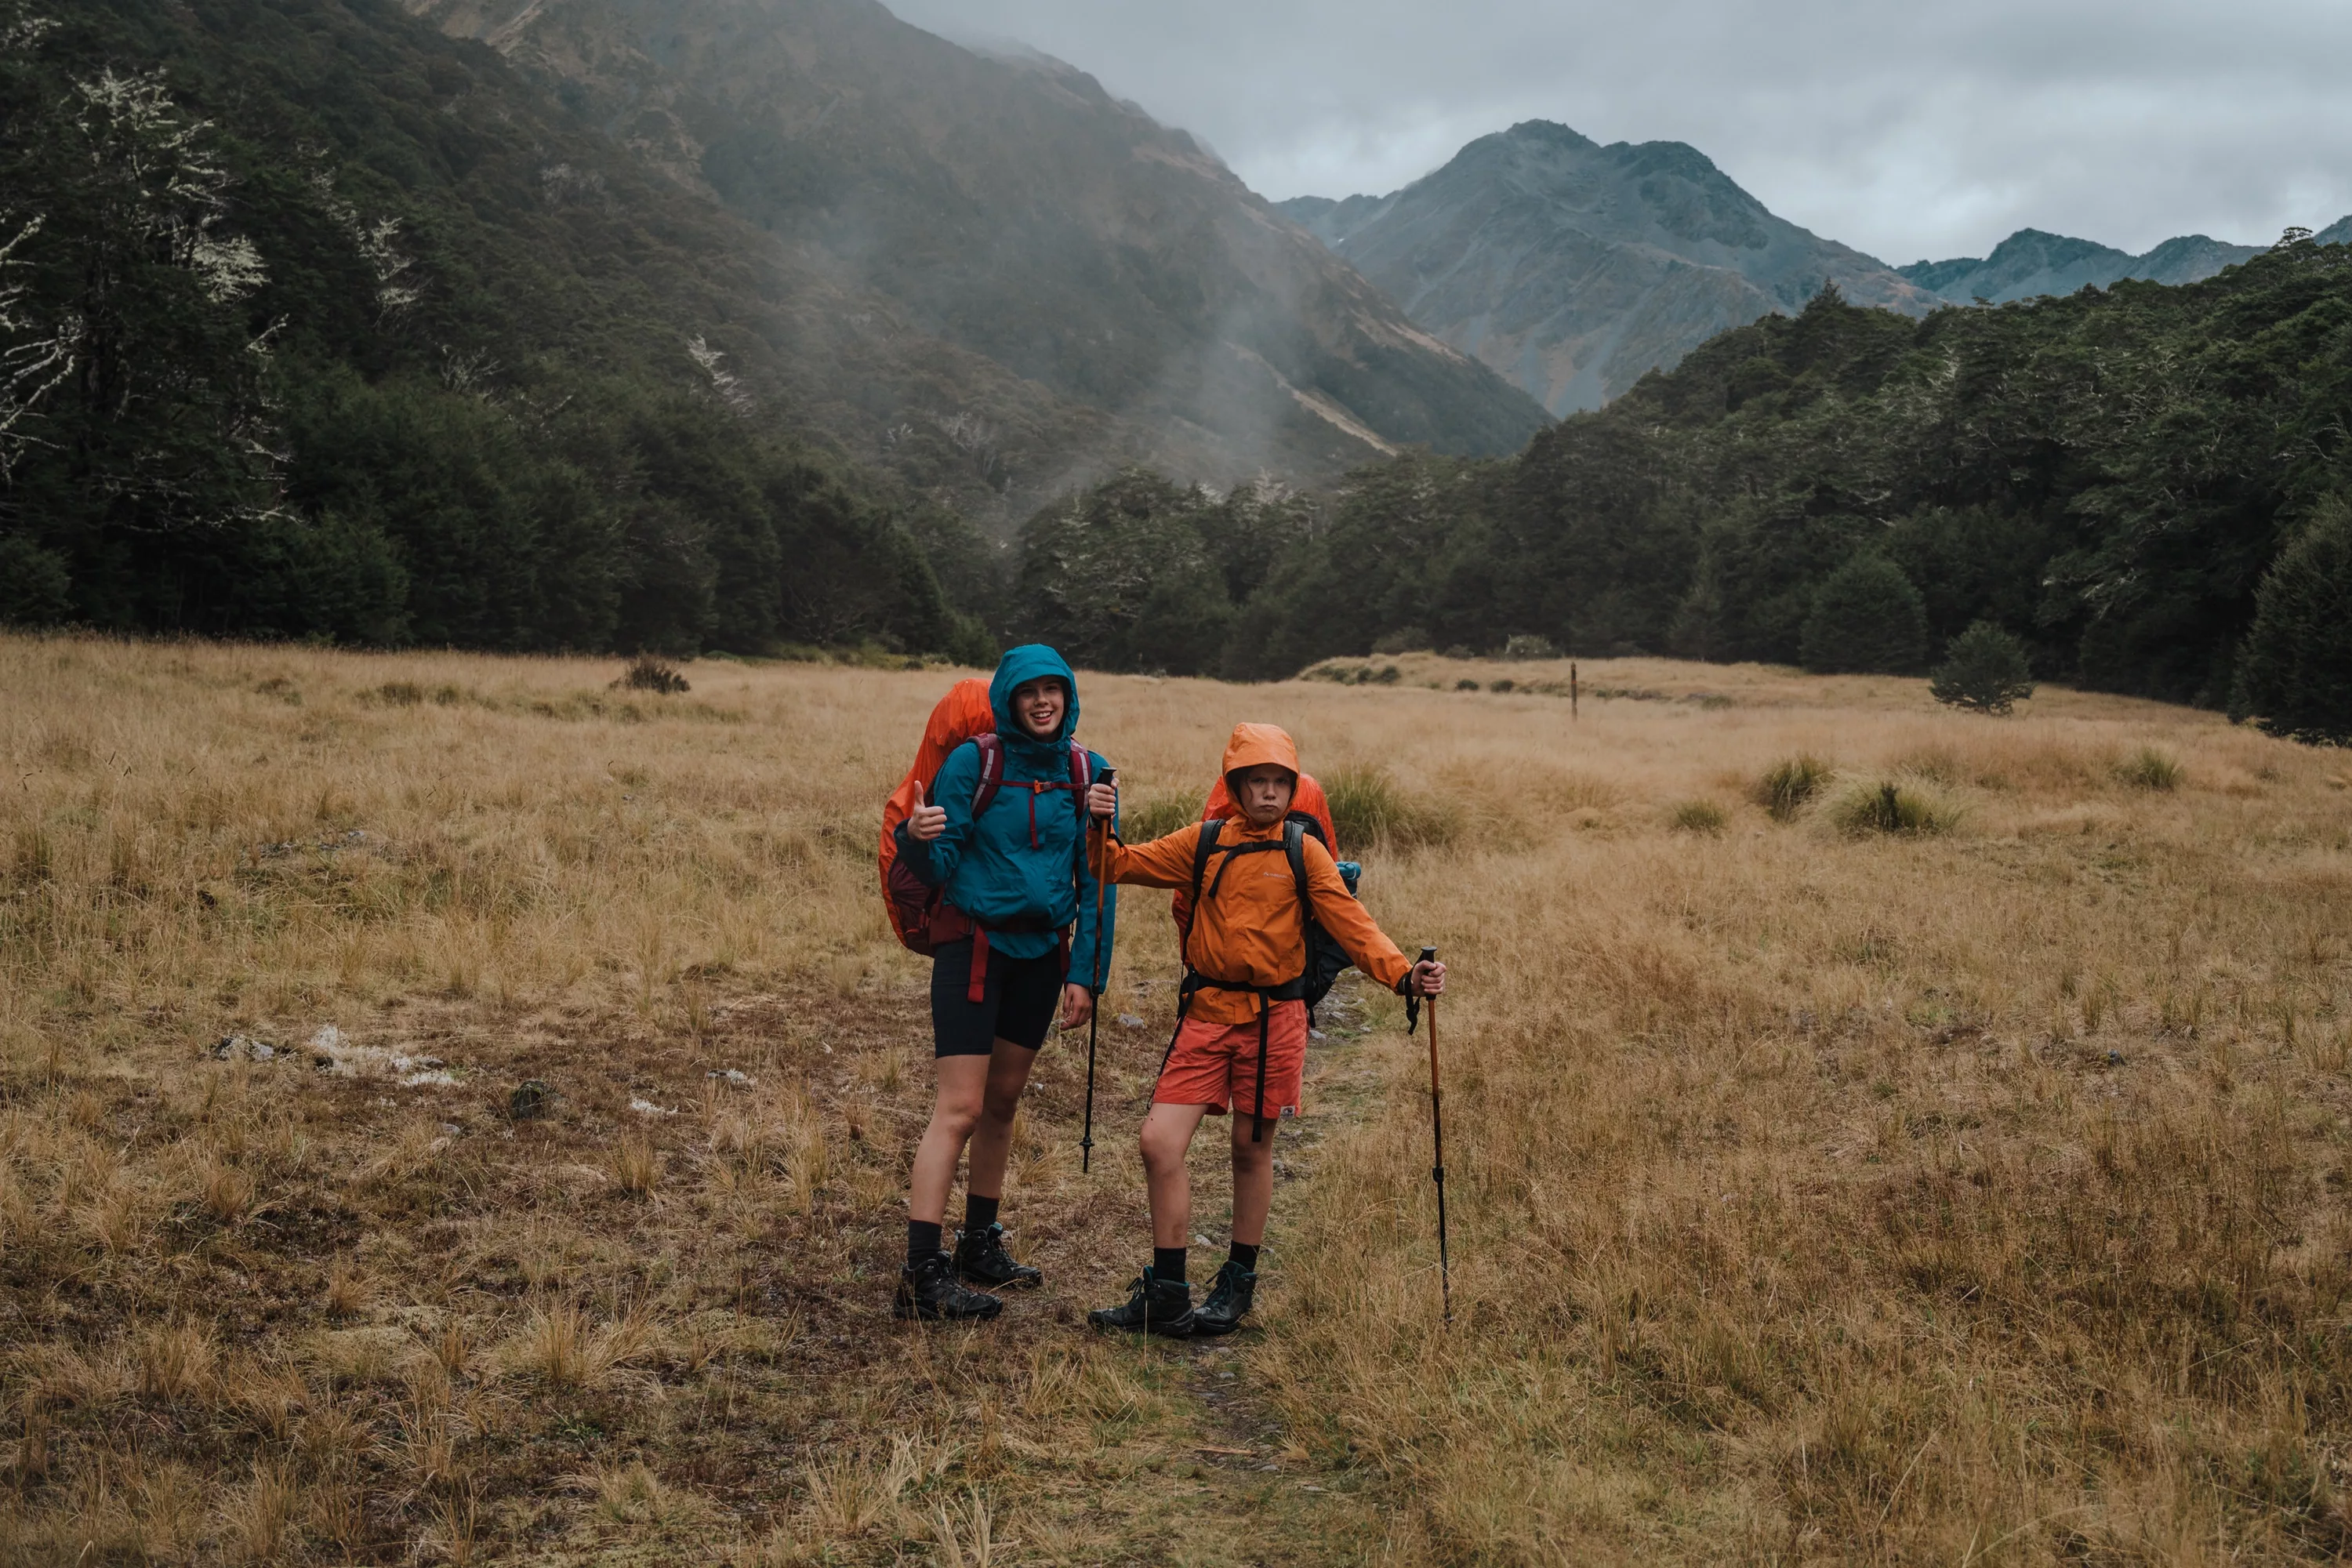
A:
(951, 924)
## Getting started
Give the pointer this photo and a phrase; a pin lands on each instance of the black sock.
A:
(1167, 1264)
(922, 1239)
(979, 1213)
(1245, 1256)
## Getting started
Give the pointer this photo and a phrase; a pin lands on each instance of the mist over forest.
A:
(321, 323)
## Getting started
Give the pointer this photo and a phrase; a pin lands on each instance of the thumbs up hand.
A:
(926, 822)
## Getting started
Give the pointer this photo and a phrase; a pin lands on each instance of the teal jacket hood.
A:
(1032, 661)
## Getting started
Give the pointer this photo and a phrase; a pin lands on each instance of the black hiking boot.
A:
(929, 1291)
(981, 1258)
(1157, 1307)
(1230, 1295)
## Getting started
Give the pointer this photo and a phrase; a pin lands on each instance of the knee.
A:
(999, 1109)
(1162, 1155)
(1251, 1153)
(957, 1118)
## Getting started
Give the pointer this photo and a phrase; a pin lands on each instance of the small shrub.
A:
(1409, 639)
(1786, 786)
(1369, 807)
(2148, 768)
(1984, 670)
(1159, 816)
(1697, 816)
(1466, 684)
(1506, 684)
(1526, 646)
(646, 673)
(399, 694)
(1890, 807)
(1387, 675)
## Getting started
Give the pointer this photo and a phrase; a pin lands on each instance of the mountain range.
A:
(1145, 305)
(1575, 268)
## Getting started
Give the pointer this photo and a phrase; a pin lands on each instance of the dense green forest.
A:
(313, 325)
(2108, 475)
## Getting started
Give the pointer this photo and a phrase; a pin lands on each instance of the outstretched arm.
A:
(1162, 863)
(1352, 926)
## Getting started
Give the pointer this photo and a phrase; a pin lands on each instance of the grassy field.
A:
(1873, 1132)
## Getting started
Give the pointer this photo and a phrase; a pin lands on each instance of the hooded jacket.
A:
(1250, 930)
(1022, 863)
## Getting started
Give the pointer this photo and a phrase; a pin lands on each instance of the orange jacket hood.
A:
(1257, 745)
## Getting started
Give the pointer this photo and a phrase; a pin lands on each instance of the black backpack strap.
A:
(1205, 848)
(1294, 847)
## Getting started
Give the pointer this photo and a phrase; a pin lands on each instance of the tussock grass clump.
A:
(637, 1167)
(2150, 769)
(646, 673)
(1890, 807)
(1787, 786)
(1369, 807)
(1159, 816)
(1700, 816)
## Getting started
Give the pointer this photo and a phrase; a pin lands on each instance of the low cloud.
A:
(1908, 131)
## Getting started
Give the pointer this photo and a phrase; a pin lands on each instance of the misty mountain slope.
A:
(1574, 268)
(2030, 263)
(1008, 205)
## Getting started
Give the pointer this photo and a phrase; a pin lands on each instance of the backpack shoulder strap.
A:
(992, 770)
(1294, 848)
(1082, 773)
(1202, 851)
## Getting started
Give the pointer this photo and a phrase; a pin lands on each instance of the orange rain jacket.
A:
(1251, 931)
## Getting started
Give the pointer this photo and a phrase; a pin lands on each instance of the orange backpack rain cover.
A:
(962, 713)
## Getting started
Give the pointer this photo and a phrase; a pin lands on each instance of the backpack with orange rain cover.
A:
(919, 912)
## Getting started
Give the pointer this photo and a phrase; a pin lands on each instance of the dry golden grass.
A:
(1971, 1195)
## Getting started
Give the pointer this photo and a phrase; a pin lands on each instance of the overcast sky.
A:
(1907, 130)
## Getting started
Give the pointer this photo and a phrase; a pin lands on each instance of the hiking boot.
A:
(981, 1258)
(929, 1291)
(1157, 1307)
(1230, 1295)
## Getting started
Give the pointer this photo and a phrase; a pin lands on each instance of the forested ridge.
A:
(315, 323)
(2108, 475)
(318, 324)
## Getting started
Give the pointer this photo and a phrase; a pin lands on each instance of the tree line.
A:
(308, 329)
(2111, 478)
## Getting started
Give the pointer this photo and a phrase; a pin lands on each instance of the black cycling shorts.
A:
(1017, 1005)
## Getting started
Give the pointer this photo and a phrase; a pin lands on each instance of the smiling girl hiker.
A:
(992, 879)
(1241, 1031)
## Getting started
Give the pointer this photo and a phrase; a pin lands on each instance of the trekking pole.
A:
(1437, 1142)
(1094, 1016)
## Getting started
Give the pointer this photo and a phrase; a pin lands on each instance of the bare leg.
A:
(1167, 1133)
(992, 1140)
(954, 1113)
(1252, 1180)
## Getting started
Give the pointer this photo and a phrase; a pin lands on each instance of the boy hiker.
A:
(1241, 1031)
(1013, 933)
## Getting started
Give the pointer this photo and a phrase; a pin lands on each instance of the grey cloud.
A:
(1906, 131)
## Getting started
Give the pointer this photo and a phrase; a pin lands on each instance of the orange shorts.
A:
(1215, 1064)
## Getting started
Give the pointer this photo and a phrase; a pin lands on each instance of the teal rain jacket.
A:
(990, 868)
